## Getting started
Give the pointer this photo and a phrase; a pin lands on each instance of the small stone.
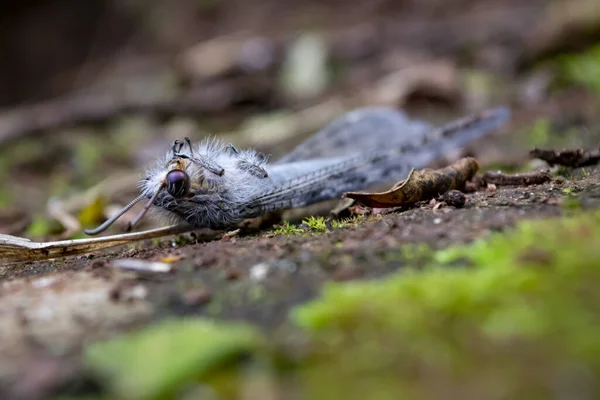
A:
(259, 272)
(454, 198)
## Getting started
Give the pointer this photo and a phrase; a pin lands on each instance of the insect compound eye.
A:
(178, 183)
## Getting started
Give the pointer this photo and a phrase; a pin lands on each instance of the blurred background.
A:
(92, 91)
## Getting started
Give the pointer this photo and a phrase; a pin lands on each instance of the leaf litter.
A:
(421, 185)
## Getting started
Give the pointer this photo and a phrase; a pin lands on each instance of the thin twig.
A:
(523, 179)
(17, 249)
(574, 158)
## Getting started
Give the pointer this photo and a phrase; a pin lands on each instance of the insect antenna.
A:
(177, 146)
(141, 214)
(115, 217)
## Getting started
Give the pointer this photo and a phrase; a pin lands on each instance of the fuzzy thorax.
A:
(221, 178)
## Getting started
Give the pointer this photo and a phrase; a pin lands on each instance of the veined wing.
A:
(325, 179)
(357, 130)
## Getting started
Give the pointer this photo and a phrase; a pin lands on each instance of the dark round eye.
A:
(178, 183)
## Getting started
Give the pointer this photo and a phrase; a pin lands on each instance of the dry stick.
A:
(574, 158)
(17, 249)
(523, 179)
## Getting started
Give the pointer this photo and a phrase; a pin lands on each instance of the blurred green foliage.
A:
(165, 360)
(582, 69)
(42, 226)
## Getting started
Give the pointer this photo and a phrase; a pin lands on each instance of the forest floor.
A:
(491, 299)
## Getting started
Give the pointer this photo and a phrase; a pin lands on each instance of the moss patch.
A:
(287, 228)
(516, 315)
(316, 224)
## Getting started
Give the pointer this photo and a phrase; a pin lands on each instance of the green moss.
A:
(165, 359)
(316, 224)
(345, 222)
(286, 228)
(514, 314)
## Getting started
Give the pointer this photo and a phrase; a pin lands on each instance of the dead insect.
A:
(217, 186)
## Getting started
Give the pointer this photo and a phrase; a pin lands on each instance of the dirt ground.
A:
(256, 278)
(52, 309)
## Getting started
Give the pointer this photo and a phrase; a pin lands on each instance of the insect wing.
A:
(356, 131)
(309, 182)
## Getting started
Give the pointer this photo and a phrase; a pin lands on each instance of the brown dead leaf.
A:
(421, 185)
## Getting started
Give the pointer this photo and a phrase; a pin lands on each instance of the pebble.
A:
(454, 198)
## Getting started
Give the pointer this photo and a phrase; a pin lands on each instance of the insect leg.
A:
(212, 167)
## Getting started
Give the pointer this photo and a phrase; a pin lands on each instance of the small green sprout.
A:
(286, 228)
(317, 224)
